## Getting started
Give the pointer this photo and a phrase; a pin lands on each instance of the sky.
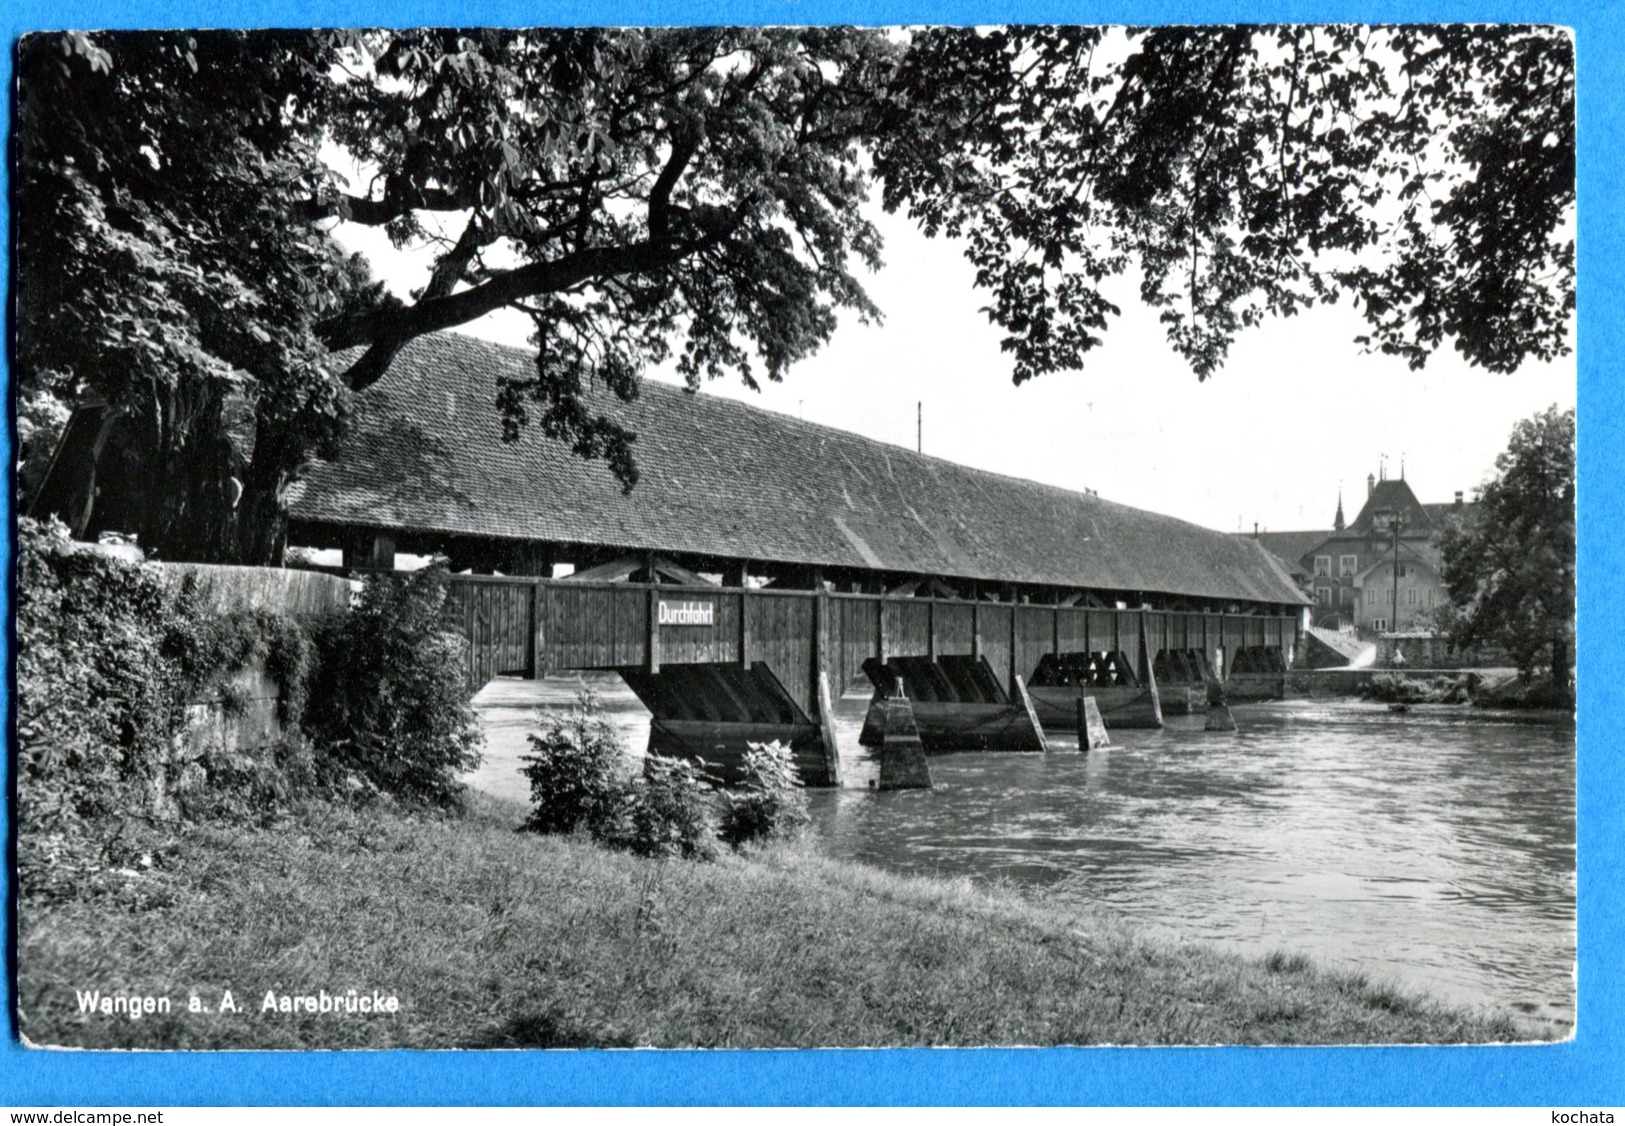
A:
(1298, 411)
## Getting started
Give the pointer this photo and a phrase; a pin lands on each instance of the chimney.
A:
(1458, 498)
(1370, 484)
(1255, 529)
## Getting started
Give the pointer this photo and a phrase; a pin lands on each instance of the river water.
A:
(1434, 849)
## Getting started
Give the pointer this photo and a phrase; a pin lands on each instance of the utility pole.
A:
(1393, 623)
(919, 426)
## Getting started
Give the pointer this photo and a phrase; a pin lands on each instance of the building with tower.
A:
(1380, 572)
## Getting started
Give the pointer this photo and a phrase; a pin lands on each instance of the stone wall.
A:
(242, 713)
(300, 594)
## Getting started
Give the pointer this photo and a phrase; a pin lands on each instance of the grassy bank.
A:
(490, 938)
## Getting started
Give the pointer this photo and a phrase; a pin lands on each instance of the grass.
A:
(497, 939)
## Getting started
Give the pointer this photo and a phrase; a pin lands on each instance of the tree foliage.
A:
(1511, 571)
(160, 275)
(693, 195)
(1246, 172)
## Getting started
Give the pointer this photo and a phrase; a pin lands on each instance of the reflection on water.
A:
(1434, 847)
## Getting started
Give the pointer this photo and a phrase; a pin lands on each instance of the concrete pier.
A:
(902, 755)
(1092, 734)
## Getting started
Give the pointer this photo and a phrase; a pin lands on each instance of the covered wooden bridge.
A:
(760, 555)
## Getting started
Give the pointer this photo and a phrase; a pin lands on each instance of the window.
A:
(1379, 624)
(1346, 565)
(1404, 570)
(1388, 597)
(1410, 596)
(1370, 595)
(1323, 566)
(1323, 595)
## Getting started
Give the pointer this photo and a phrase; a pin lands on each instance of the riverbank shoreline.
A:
(488, 938)
(1493, 690)
(1181, 832)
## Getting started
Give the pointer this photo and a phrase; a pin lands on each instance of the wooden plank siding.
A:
(693, 645)
(1035, 636)
(1234, 638)
(595, 627)
(495, 617)
(781, 633)
(531, 626)
(954, 628)
(1071, 630)
(907, 626)
(993, 620)
(857, 638)
(1127, 625)
(1102, 627)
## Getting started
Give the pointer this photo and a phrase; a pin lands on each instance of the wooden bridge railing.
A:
(529, 626)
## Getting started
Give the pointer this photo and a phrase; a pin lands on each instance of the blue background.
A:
(1589, 1070)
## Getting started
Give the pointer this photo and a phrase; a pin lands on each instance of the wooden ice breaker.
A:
(959, 705)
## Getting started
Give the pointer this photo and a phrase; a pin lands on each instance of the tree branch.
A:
(449, 270)
(371, 212)
(683, 148)
(384, 331)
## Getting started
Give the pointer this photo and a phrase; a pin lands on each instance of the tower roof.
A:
(1390, 497)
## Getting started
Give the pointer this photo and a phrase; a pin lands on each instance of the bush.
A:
(208, 646)
(667, 812)
(389, 697)
(256, 784)
(577, 770)
(109, 653)
(97, 699)
(770, 803)
(1515, 692)
(98, 702)
(1396, 688)
(581, 778)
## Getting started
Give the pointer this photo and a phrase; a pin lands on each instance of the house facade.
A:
(1380, 572)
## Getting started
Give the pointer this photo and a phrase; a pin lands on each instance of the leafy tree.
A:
(693, 194)
(161, 281)
(1246, 172)
(1511, 571)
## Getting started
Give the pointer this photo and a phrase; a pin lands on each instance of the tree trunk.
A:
(1560, 663)
(185, 508)
(68, 490)
(261, 526)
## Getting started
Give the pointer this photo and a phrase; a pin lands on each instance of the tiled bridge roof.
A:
(721, 478)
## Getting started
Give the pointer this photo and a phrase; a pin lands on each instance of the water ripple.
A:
(1435, 848)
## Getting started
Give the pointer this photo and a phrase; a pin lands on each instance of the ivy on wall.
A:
(110, 653)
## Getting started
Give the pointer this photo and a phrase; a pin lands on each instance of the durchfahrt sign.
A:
(687, 613)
